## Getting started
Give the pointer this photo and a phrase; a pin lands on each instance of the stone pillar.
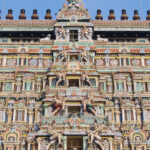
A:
(139, 116)
(29, 145)
(134, 115)
(124, 61)
(44, 85)
(64, 142)
(30, 117)
(22, 61)
(4, 60)
(39, 143)
(142, 60)
(34, 146)
(117, 117)
(123, 118)
(85, 139)
(111, 144)
(14, 115)
(9, 113)
(33, 86)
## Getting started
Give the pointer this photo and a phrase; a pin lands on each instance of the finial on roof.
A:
(99, 15)
(111, 15)
(48, 15)
(148, 15)
(22, 15)
(136, 15)
(9, 15)
(35, 15)
(124, 15)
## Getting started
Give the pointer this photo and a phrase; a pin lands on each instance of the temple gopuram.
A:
(74, 83)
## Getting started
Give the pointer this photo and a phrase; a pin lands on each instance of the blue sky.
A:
(91, 5)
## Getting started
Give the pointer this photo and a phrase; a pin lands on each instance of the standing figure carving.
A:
(85, 78)
(84, 56)
(94, 137)
(61, 33)
(58, 104)
(64, 55)
(85, 33)
(61, 78)
(55, 137)
(87, 104)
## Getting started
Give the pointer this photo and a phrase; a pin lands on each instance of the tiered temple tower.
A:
(74, 83)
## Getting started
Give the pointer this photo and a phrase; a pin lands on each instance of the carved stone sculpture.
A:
(61, 77)
(55, 137)
(58, 105)
(85, 78)
(85, 33)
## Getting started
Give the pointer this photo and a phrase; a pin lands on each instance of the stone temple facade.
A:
(74, 83)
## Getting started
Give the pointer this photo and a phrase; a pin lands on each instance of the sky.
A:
(91, 5)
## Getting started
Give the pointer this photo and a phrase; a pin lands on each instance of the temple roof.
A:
(27, 23)
(96, 23)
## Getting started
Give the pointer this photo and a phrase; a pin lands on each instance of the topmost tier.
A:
(73, 12)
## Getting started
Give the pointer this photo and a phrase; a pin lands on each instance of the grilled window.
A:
(73, 35)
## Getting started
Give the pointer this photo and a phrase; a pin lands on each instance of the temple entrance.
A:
(74, 109)
(74, 143)
(73, 83)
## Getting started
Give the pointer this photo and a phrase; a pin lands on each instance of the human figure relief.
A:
(58, 105)
(85, 78)
(84, 56)
(61, 77)
(63, 55)
(94, 137)
(55, 137)
(61, 33)
(87, 104)
(85, 33)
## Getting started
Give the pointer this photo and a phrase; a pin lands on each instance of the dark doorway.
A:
(74, 143)
(74, 83)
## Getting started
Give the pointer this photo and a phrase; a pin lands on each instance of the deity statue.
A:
(99, 110)
(84, 56)
(94, 137)
(61, 33)
(58, 105)
(87, 104)
(85, 78)
(63, 55)
(39, 116)
(55, 136)
(61, 77)
(85, 33)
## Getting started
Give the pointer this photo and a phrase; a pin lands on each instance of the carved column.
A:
(30, 117)
(138, 116)
(123, 117)
(134, 115)
(39, 143)
(117, 117)
(29, 145)
(9, 113)
(65, 142)
(142, 60)
(4, 60)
